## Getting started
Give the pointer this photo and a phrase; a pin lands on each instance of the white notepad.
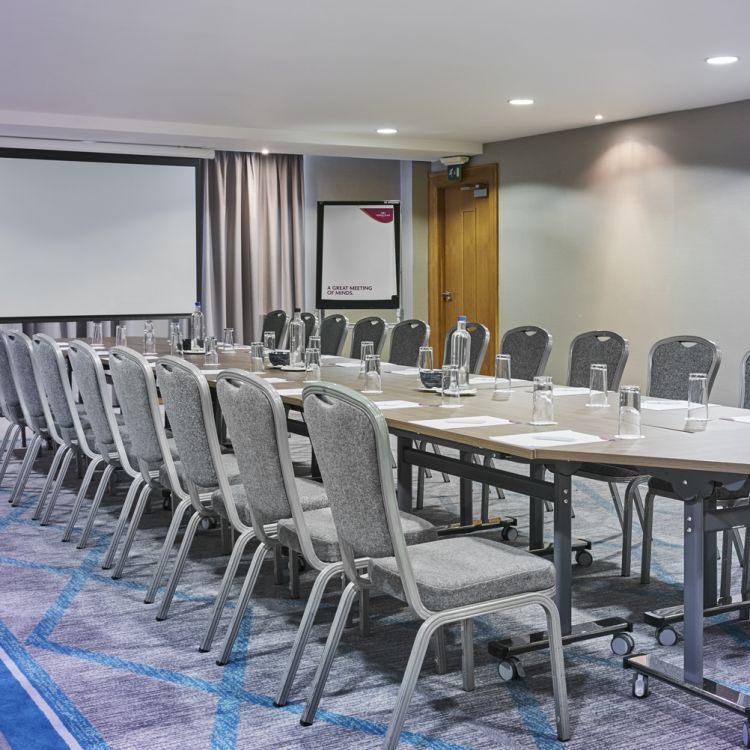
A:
(291, 392)
(395, 404)
(567, 390)
(407, 371)
(456, 423)
(663, 404)
(276, 380)
(348, 364)
(549, 439)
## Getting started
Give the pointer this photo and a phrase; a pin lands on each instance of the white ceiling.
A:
(318, 76)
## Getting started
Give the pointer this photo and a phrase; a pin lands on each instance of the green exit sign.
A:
(454, 172)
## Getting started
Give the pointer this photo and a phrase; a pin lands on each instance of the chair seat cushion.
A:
(465, 570)
(608, 472)
(311, 495)
(323, 533)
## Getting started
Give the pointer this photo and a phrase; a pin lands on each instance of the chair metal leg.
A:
(294, 558)
(132, 529)
(166, 548)
(60, 453)
(436, 448)
(12, 441)
(648, 530)
(738, 546)
(409, 682)
(23, 475)
(467, 654)
(303, 632)
(251, 578)
(627, 527)
(6, 438)
(82, 490)
(441, 652)
(59, 482)
(101, 487)
(187, 541)
(127, 506)
(557, 662)
(226, 584)
(364, 612)
(278, 565)
(324, 667)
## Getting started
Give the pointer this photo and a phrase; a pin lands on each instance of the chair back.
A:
(368, 329)
(92, 385)
(10, 402)
(529, 348)
(333, 334)
(745, 382)
(309, 320)
(480, 340)
(597, 348)
(18, 347)
(275, 321)
(52, 369)
(255, 419)
(671, 361)
(406, 338)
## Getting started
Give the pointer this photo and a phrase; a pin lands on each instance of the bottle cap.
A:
(462, 317)
(297, 309)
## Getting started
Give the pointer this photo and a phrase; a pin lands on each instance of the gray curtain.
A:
(253, 240)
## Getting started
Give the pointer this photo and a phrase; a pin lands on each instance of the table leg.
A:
(562, 553)
(710, 562)
(536, 511)
(693, 592)
(466, 494)
(404, 475)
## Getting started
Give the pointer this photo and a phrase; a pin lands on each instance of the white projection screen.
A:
(94, 236)
(358, 254)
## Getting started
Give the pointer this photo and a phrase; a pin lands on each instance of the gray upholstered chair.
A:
(671, 361)
(204, 469)
(597, 347)
(31, 402)
(450, 580)
(271, 494)
(333, 334)
(406, 339)
(11, 409)
(480, 340)
(372, 329)
(275, 321)
(529, 348)
(310, 322)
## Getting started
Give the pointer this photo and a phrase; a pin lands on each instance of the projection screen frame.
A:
(85, 156)
(328, 304)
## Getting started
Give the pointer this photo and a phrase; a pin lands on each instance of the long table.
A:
(692, 462)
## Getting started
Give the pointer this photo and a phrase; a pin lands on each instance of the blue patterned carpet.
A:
(118, 679)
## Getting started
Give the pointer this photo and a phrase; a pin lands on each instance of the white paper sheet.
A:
(663, 404)
(396, 404)
(456, 423)
(291, 392)
(276, 380)
(739, 419)
(407, 371)
(329, 356)
(550, 439)
(348, 364)
(566, 390)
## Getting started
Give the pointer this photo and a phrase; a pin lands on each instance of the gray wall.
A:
(642, 227)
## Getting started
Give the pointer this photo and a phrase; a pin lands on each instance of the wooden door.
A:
(463, 255)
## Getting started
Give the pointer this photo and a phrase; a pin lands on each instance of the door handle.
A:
(447, 296)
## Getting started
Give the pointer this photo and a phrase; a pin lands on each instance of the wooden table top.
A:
(724, 447)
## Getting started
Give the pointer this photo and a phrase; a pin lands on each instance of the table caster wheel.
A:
(509, 533)
(511, 669)
(166, 502)
(746, 733)
(640, 685)
(584, 558)
(207, 523)
(622, 644)
(666, 636)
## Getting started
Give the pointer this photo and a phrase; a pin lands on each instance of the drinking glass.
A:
(228, 339)
(212, 353)
(502, 378)
(697, 413)
(450, 391)
(312, 365)
(372, 374)
(149, 338)
(629, 418)
(269, 344)
(121, 336)
(425, 358)
(257, 363)
(543, 408)
(97, 338)
(598, 386)
(175, 340)
(314, 343)
(367, 349)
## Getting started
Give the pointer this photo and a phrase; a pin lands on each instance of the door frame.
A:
(484, 173)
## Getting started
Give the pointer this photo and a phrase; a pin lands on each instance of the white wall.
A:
(642, 227)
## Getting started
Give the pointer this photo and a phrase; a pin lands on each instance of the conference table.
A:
(693, 463)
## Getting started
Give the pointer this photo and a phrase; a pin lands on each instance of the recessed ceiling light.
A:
(598, 117)
(265, 151)
(722, 60)
(520, 102)
(386, 131)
